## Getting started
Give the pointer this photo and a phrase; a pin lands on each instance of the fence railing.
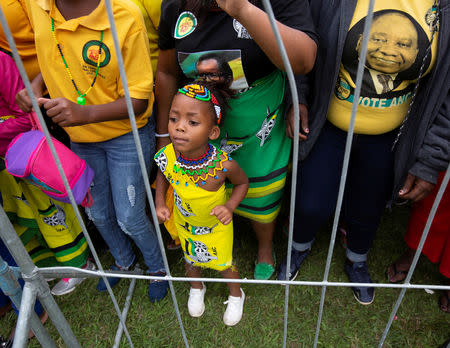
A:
(37, 287)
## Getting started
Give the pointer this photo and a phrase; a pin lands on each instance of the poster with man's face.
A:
(395, 52)
(224, 65)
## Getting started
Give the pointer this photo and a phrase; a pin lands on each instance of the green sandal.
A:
(264, 270)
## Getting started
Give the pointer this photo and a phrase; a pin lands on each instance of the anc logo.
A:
(91, 51)
(342, 89)
(186, 24)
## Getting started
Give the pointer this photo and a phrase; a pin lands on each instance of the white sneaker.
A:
(67, 285)
(196, 306)
(235, 308)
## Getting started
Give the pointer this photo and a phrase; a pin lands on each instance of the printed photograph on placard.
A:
(225, 65)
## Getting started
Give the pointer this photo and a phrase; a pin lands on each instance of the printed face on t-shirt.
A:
(393, 44)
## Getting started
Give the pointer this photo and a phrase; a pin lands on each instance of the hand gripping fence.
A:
(37, 287)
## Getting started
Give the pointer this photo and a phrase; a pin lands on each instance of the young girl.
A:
(79, 66)
(197, 172)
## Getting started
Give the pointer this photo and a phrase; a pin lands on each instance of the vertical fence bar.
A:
(37, 110)
(417, 254)
(141, 160)
(359, 77)
(25, 312)
(293, 88)
(126, 307)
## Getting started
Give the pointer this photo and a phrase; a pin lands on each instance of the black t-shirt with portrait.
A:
(226, 37)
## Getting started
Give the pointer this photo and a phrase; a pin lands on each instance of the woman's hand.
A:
(415, 189)
(303, 123)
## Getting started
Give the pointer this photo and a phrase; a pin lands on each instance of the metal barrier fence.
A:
(37, 287)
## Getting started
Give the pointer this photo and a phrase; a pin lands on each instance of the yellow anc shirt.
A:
(399, 37)
(19, 24)
(151, 11)
(79, 39)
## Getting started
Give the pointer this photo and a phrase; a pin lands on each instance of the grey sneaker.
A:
(67, 285)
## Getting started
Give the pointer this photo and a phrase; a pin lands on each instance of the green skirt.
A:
(253, 132)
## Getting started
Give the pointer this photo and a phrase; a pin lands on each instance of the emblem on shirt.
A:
(198, 251)
(161, 161)
(185, 25)
(229, 145)
(267, 126)
(93, 51)
(179, 204)
(55, 215)
(198, 230)
(430, 17)
(242, 33)
(342, 89)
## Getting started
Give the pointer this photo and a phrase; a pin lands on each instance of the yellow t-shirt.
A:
(151, 11)
(399, 36)
(79, 39)
(19, 24)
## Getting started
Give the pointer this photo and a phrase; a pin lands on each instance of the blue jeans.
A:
(4, 300)
(368, 185)
(119, 197)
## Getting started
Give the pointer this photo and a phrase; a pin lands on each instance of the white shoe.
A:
(235, 308)
(196, 306)
(67, 285)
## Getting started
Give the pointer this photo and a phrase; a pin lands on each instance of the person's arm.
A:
(162, 211)
(239, 180)
(67, 113)
(165, 90)
(433, 157)
(301, 49)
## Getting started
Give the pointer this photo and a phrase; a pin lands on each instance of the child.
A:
(33, 214)
(78, 63)
(197, 172)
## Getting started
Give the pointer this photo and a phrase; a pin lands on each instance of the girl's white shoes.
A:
(233, 313)
(196, 305)
(235, 308)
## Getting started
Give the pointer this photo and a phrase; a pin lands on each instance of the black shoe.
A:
(358, 272)
(4, 343)
(297, 258)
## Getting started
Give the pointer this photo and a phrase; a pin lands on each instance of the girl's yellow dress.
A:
(206, 242)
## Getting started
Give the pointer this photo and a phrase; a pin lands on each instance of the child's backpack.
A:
(29, 157)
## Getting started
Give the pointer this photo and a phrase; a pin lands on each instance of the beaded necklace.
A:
(202, 167)
(81, 99)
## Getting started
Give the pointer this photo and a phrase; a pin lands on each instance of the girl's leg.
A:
(232, 273)
(194, 272)
(264, 234)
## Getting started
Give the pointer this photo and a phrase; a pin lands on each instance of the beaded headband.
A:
(202, 93)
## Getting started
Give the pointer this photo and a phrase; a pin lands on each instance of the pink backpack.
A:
(29, 157)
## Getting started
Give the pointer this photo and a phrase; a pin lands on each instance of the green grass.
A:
(345, 323)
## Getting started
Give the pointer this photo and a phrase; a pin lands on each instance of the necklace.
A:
(202, 167)
(197, 162)
(81, 99)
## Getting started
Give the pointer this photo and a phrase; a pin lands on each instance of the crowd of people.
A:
(209, 91)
